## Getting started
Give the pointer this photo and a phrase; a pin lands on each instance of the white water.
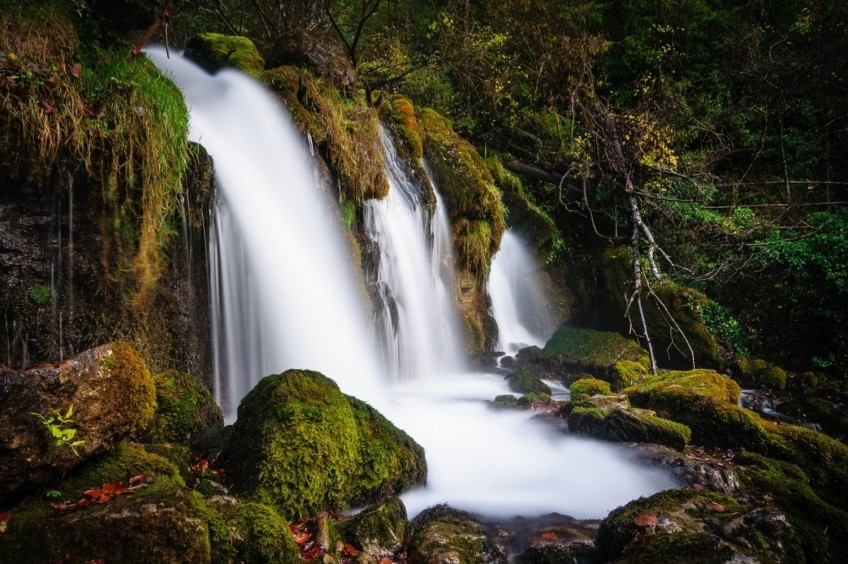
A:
(519, 302)
(285, 297)
(416, 323)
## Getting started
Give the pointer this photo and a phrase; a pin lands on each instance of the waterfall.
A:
(415, 320)
(283, 292)
(519, 302)
(284, 295)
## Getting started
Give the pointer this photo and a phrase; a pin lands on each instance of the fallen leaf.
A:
(4, 521)
(138, 478)
(49, 107)
(716, 507)
(386, 561)
(549, 536)
(350, 549)
(76, 70)
(302, 538)
(698, 487)
(646, 520)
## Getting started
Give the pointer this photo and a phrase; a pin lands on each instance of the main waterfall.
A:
(287, 297)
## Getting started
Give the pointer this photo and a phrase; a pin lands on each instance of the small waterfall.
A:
(415, 318)
(519, 301)
(284, 296)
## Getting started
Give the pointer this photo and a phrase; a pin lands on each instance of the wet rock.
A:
(214, 51)
(627, 425)
(378, 531)
(112, 395)
(693, 467)
(524, 382)
(443, 535)
(316, 52)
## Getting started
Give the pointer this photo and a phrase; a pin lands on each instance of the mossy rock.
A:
(523, 382)
(572, 351)
(821, 526)
(625, 373)
(245, 531)
(379, 531)
(505, 401)
(701, 381)
(757, 372)
(444, 534)
(161, 521)
(301, 446)
(112, 395)
(621, 425)
(214, 51)
(687, 525)
(533, 400)
(346, 132)
(317, 52)
(186, 412)
(588, 387)
(399, 113)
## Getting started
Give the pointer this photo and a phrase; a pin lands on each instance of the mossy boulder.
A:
(444, 534)
(112, 395)
(687, 525)
(317, 52)
(524, 382)
(758, 373)
(477, 219)
(214, 51)
(399, 114)
(186, 412)
(505, 401)
(588, 387)
(378, 531)
(161, 521)
(301, 446)
(572, 351)
(631, 425)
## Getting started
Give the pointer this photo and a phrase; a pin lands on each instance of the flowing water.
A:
(520, 304)
(284, 296)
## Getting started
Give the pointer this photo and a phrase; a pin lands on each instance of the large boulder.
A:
(302, 446)
(112, 395)
(627, 425)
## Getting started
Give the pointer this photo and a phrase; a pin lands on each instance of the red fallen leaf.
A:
(137, 479)
(716, 507)
(200, 465)
(350, 549)
(4, 521)
(646, 520)
(698, 487)
(302, 538)
(49, 107)
(386, 561)
(76, 70)
(549, 536)
(312, 553)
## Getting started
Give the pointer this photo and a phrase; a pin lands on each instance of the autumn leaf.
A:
(49, 106)
(350, 549)
(646, 520)
(549, 536)
(716, 507)
(4, 521)
(137, 479)
(76, 70)
(302, 538)
(386, 561)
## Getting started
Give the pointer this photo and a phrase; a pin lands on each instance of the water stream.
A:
(284, 296)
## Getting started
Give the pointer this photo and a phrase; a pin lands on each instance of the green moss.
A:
(443, 534)
(399, 113)
(178, 455)
(524, 382)
(628, 426)
(625, 373)
(377, 530)
(822, 527)
(588, 387)
(214, 51)
(186, 412)
(244, 531)
(346, 131)
(139, 386)
(505, 401)
(301, 446)
(534, 399)
(757, 372)
(706, 382)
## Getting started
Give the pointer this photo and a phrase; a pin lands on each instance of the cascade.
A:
(519, 302)
(415, 322)
(284, 296)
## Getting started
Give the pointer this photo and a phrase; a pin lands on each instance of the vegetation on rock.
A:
(214, 51)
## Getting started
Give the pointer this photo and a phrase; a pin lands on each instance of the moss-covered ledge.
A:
(214, 51)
